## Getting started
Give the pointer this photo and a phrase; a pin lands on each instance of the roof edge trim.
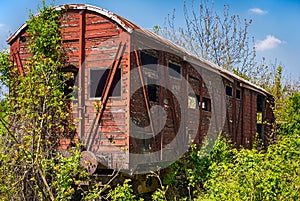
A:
(98, 10)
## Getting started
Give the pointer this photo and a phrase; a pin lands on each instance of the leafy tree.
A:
(222, 39)
(4, 67)
(291, 115)
(4, 72)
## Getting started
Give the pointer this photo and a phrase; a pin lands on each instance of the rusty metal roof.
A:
(131, 27)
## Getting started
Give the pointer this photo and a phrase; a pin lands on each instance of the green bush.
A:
(253, 175)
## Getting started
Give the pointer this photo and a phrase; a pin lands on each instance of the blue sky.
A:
(275, 27)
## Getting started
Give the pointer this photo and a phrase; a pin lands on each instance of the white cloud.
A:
(3, 27)
(270, 42)
(4, 30)
(258, 11)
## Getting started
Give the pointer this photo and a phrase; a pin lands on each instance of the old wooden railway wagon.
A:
(141, 100)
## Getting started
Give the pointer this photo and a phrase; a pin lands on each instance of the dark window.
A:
(152, 90)
(228, 90)
(23, 39)
(98, 79)
(206, 104)
(259, 130)
(259, 114)
(148, 61)
(238, 94)
(71, 85)
(259, 103)
(174, 70)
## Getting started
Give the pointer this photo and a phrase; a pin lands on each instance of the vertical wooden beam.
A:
(251, 104)
(243, 103)
(128, 96)
(263, 118)
(131, 140)
(200, 134)
(184, 105)
(234, 130)
(81, 81)
(172, 105)
(223, 100)
(161, 62)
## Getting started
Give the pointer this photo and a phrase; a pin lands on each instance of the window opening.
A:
(238, 94)
(206, 104)
(98, 79)
(229, 90)
(193, 101)
(23, 39)
(259, 115)
(174, 70)
(152, 89)
(148, 61)
(70, 87)
(259, 103)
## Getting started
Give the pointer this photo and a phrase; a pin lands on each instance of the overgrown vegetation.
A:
(34, 117)
(230, 174)
(220, 38)
(37, 117)
(257, 175)
(5, 65)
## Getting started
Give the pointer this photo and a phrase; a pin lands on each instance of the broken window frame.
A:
(259, 114)
(259, 103)
(178, 71)
(117, 82)
(149, 61)
(152, 89)
(229, 90)
(238, 94)
(71, 85)
(196, 101)
(206, 104)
